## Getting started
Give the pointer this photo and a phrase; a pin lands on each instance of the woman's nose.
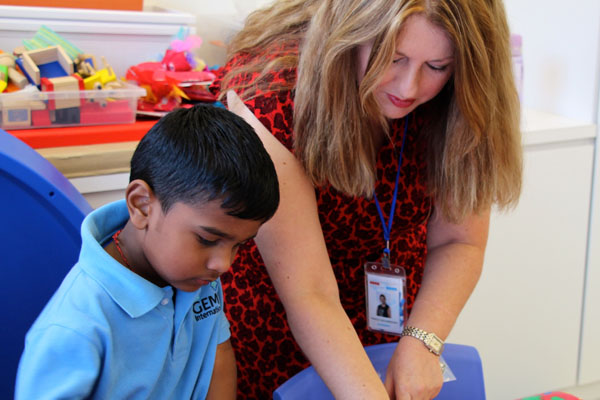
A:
(409, 83)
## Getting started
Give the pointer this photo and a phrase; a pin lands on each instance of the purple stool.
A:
(463, 360)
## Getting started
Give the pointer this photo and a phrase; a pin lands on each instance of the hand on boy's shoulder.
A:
(237, 106)
(280, 155)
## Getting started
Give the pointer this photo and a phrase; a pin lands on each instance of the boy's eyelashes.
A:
(209, 243)
(206, 242)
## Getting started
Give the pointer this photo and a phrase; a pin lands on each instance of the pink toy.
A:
(553, 396)
(189, 43)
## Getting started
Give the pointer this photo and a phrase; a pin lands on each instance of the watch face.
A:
(436, 344)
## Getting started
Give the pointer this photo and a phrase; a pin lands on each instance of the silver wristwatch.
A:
(433, 343)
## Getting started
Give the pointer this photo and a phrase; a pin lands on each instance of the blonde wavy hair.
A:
(474, 143)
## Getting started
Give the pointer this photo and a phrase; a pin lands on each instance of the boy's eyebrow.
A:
(222, 234)
(217, 232)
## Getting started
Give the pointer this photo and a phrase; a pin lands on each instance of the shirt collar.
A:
(134, 294)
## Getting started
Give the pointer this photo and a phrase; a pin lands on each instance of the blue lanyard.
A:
(387, 228)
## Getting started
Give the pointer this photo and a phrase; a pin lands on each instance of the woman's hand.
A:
(414, 373)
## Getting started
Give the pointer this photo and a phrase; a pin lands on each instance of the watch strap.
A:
(433, 343)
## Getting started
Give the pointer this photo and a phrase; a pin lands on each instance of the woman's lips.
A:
(396, 101)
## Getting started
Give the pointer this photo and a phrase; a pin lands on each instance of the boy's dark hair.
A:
(206, 153)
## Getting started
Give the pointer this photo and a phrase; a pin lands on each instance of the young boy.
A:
(140, 316)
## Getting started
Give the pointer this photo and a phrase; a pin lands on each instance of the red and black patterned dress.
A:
(265, 350)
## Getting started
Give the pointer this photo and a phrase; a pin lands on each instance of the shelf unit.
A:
(527, 312)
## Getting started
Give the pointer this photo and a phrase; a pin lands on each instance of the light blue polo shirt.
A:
(107, 333)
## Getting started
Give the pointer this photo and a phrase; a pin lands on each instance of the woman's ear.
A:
(139, 197)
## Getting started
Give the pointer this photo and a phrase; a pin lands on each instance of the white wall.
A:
(216, 20)
(561, 47)
(561, 54)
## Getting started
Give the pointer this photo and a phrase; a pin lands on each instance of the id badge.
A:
(385, 286)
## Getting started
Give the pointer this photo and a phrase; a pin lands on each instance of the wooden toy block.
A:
(72, 83)
(14, 76)
(40, 118)
(65, 116)
(113, 112)
(15, 115)
(85, 65)
(49, 62)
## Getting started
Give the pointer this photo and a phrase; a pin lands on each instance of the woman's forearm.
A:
(328, 339)
(451, 273)
(452, 269)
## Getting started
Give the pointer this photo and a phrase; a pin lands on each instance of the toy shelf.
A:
(87, 150)
(83, 135)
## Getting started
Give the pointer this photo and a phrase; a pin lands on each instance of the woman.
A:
(362, 91)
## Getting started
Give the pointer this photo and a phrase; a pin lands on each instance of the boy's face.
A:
(192, 245)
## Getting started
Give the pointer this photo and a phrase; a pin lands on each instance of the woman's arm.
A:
(223, 383)
(453, 266)
(293, 249)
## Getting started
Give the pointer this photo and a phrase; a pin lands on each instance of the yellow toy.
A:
(3, 77)
(100, 78)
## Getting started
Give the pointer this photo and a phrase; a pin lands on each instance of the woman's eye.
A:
(437, 68)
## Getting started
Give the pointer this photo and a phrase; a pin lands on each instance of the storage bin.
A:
(124, 38)
(34, 109)
(132, 5)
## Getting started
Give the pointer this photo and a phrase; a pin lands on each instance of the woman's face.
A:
(422, 64)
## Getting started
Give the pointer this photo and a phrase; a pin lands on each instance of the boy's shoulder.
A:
(76, 303)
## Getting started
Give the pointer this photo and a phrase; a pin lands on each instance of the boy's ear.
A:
(139, 199)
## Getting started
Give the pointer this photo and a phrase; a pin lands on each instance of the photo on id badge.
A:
(385, 298)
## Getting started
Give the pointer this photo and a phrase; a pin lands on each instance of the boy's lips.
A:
(400, 103)
(203, 282)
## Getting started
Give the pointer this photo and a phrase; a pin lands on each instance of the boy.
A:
(140, 316)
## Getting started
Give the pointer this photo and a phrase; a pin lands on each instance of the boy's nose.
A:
(220, 262)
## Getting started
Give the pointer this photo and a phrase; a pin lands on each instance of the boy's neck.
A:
(127, 251)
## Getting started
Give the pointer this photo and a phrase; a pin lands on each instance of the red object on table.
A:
(83, 135)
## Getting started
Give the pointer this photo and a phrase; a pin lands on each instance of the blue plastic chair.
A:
(464, 361)
(40, 217)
